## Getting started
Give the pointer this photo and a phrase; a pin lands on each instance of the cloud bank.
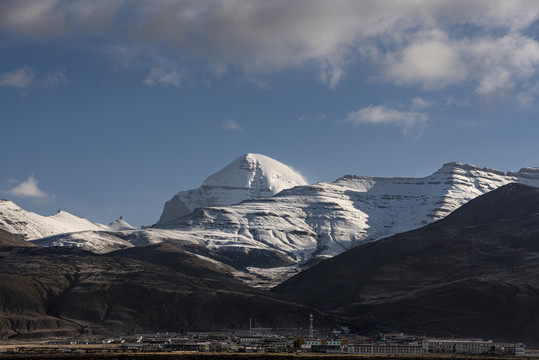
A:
(485, 44)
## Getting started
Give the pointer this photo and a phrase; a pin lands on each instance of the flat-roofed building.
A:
(385, 349)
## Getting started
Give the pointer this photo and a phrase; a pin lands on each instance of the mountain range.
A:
(268, 239)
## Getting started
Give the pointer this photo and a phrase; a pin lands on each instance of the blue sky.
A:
(109, 108)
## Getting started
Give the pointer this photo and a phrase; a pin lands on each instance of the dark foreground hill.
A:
(8, 239)
(67, 292)
(474, 273)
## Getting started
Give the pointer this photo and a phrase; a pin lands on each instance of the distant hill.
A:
(474, 273)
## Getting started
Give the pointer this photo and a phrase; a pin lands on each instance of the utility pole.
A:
(311, 326)
(250, 325)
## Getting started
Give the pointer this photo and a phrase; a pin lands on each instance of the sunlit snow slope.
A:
(33, 226)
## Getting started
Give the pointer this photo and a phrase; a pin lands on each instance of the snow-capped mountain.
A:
(31, 226)
(325, 219)
(250, 176)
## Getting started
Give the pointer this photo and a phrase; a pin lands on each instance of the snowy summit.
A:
(119, 225)
(250, 176)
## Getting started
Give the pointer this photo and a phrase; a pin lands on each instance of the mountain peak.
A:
(120, 225)
(248, 177)
(457, 167)
(253, 171)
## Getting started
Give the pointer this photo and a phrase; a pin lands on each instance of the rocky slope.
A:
(474, 273)
(250, 176)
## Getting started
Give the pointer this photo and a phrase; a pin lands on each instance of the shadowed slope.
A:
(67, 292)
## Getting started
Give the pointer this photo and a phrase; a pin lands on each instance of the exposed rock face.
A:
(250, 176)
(474, 273)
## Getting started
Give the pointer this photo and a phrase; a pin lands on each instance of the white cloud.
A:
(231, 124)
(493, 65)
(21, 78)
(28, 188)
(528, 94)
(318, 117)
(160, 76)
(55, 78)
(261, 84)
(452, 101)
(411, 122)
(434, 63)
(24, 78)
(500, 63)
(420, 103)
